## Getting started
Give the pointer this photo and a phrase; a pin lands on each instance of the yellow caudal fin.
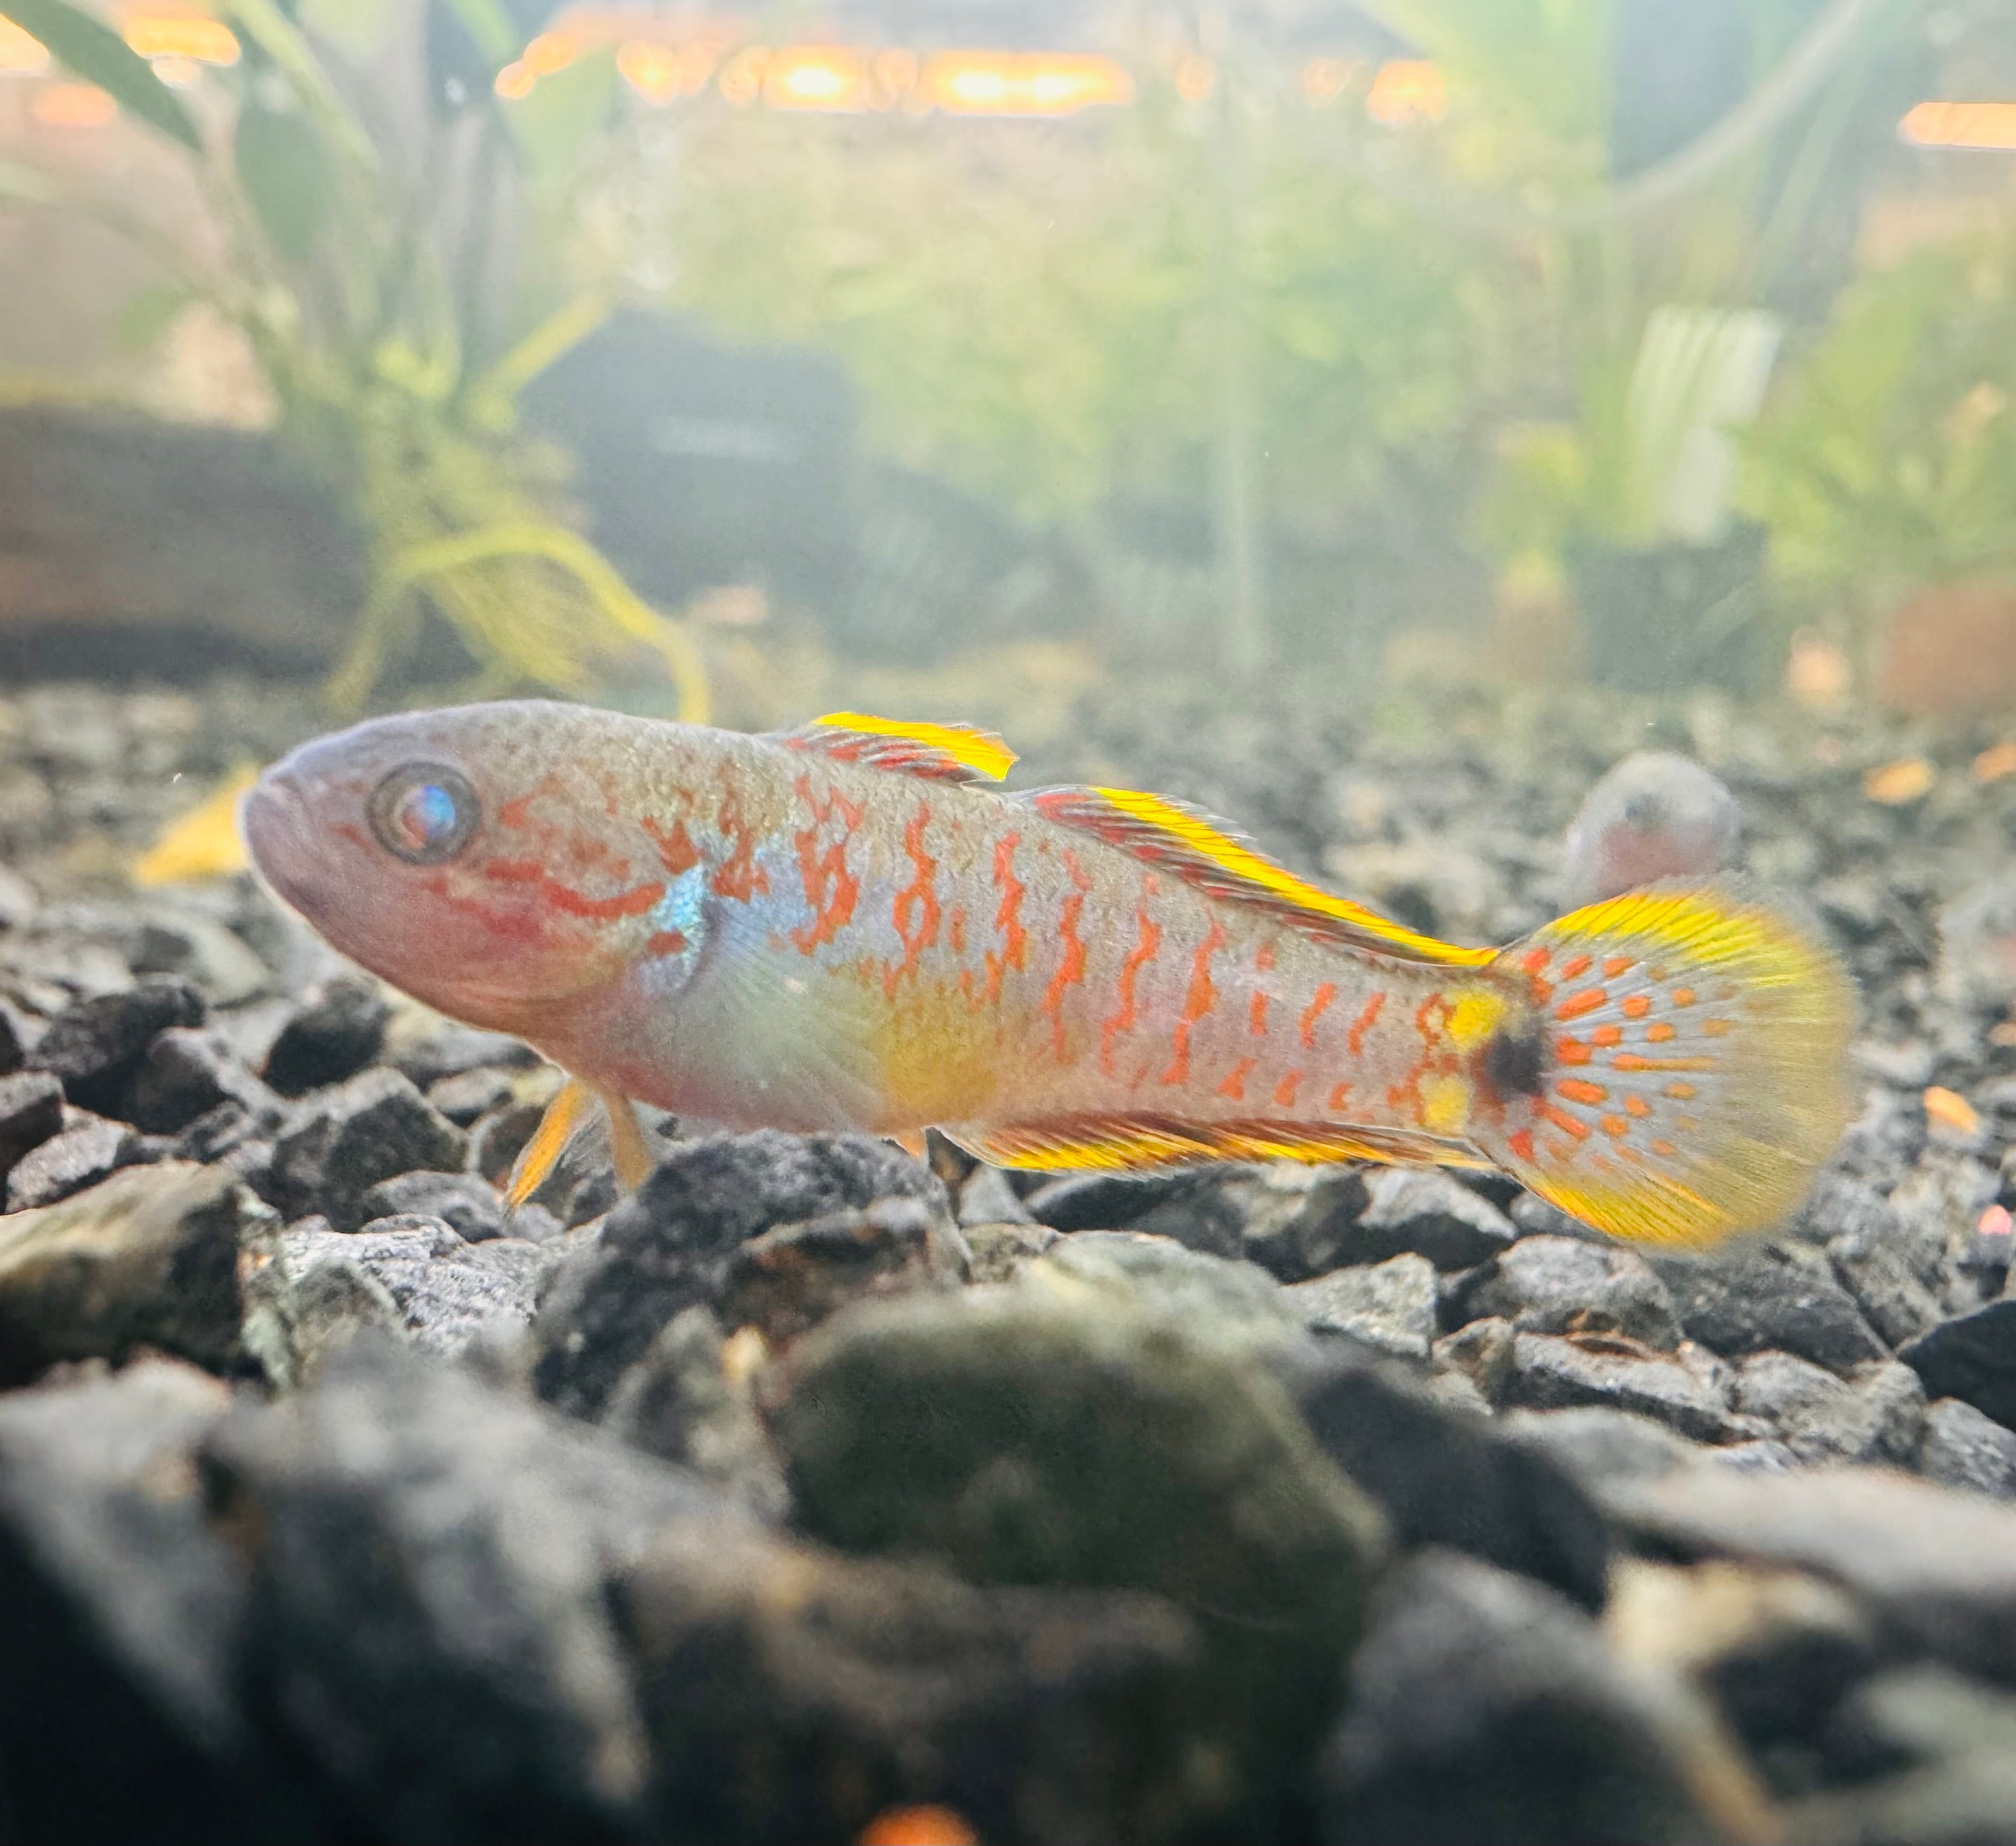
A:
(1685, 1068)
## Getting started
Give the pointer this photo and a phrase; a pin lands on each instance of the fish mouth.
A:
(274, 820)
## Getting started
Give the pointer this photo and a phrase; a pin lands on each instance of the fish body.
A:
(844, 928)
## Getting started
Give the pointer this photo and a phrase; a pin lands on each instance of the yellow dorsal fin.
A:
(940, 752)
(1198, 850)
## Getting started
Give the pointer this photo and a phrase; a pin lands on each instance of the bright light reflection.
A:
(201, 42)
(1986, 125)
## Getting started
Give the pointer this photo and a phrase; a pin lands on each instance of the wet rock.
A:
(1936, 1568)
(31, 1113)
(1931, 1761)
(338, 1029)
(1031, 1435)
(1236, 1308)
(448, 1292)
(1485, 1708)
(466, 1204)
(1775, 1650)
(1972, 1358)
(447, 1050)
(1876, 1417)
(11, 1050)
(1450, 1479)
(89, 1150)
(987, 1198)
(469, 1094)
(1561, 1285)
(785, 1282)
(1961, 1448)
(333, 1301)
(1419, 1210)
(1895, 1303)
(342, 1142)
(681, 1403)
(18, 901)
(118, 1699)
(1775, 1297)
(1389, 1307)
(1687, 1391)
(1533, 1216)
(1042, 1714)
(1293, 1219)
(1598, 1446)
(1480, 1351)
(1000, 1253)
(149, 1257)
(185, 1073)
(96, 1045)
(421, 1546)
(202, 951)
(669, 1247)
(1105, 1201)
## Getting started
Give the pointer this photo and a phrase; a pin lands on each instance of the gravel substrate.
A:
(811, 1486)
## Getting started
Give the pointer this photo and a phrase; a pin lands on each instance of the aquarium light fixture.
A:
(1990, 126)
(845, 79)
(20, 55)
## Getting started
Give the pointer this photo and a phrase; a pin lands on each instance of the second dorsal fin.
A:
(938, 752)
(1197, 848)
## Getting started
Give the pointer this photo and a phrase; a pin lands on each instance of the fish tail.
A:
(1674, 1067)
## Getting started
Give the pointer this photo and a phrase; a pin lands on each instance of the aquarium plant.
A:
(387, 235)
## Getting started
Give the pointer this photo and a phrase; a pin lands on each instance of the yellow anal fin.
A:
(1193, 846)
(938, 752)
(1122, 1144)
(536, 1160)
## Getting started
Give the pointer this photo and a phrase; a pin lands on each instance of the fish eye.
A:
(424, 812)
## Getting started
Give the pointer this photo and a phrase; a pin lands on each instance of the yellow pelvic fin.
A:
(938, 752)
(205, 842)
(1197, 848)
(1688, 1050)
(1123, 1144)
(542, 1154)
(627, 1141)
(569, 1114)
(912, 1142)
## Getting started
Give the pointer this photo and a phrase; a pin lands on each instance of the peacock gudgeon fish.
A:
(845, 927)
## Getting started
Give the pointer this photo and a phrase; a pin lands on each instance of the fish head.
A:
(488, 859)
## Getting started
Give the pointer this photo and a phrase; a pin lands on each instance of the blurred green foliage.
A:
(1030, 310)
(1889, 458)
(400, 261)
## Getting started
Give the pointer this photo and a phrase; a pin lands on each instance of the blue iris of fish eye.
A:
(423, 814)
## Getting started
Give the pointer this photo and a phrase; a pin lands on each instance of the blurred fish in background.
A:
(1656, 815)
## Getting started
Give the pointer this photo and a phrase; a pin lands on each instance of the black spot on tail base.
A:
(1515, 1061)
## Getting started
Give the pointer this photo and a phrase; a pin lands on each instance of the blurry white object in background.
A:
(1700, 373)
(1654, 816)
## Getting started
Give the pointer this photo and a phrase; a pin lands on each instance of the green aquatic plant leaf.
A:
(149, 313)
(93, 51)
(285, 175)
